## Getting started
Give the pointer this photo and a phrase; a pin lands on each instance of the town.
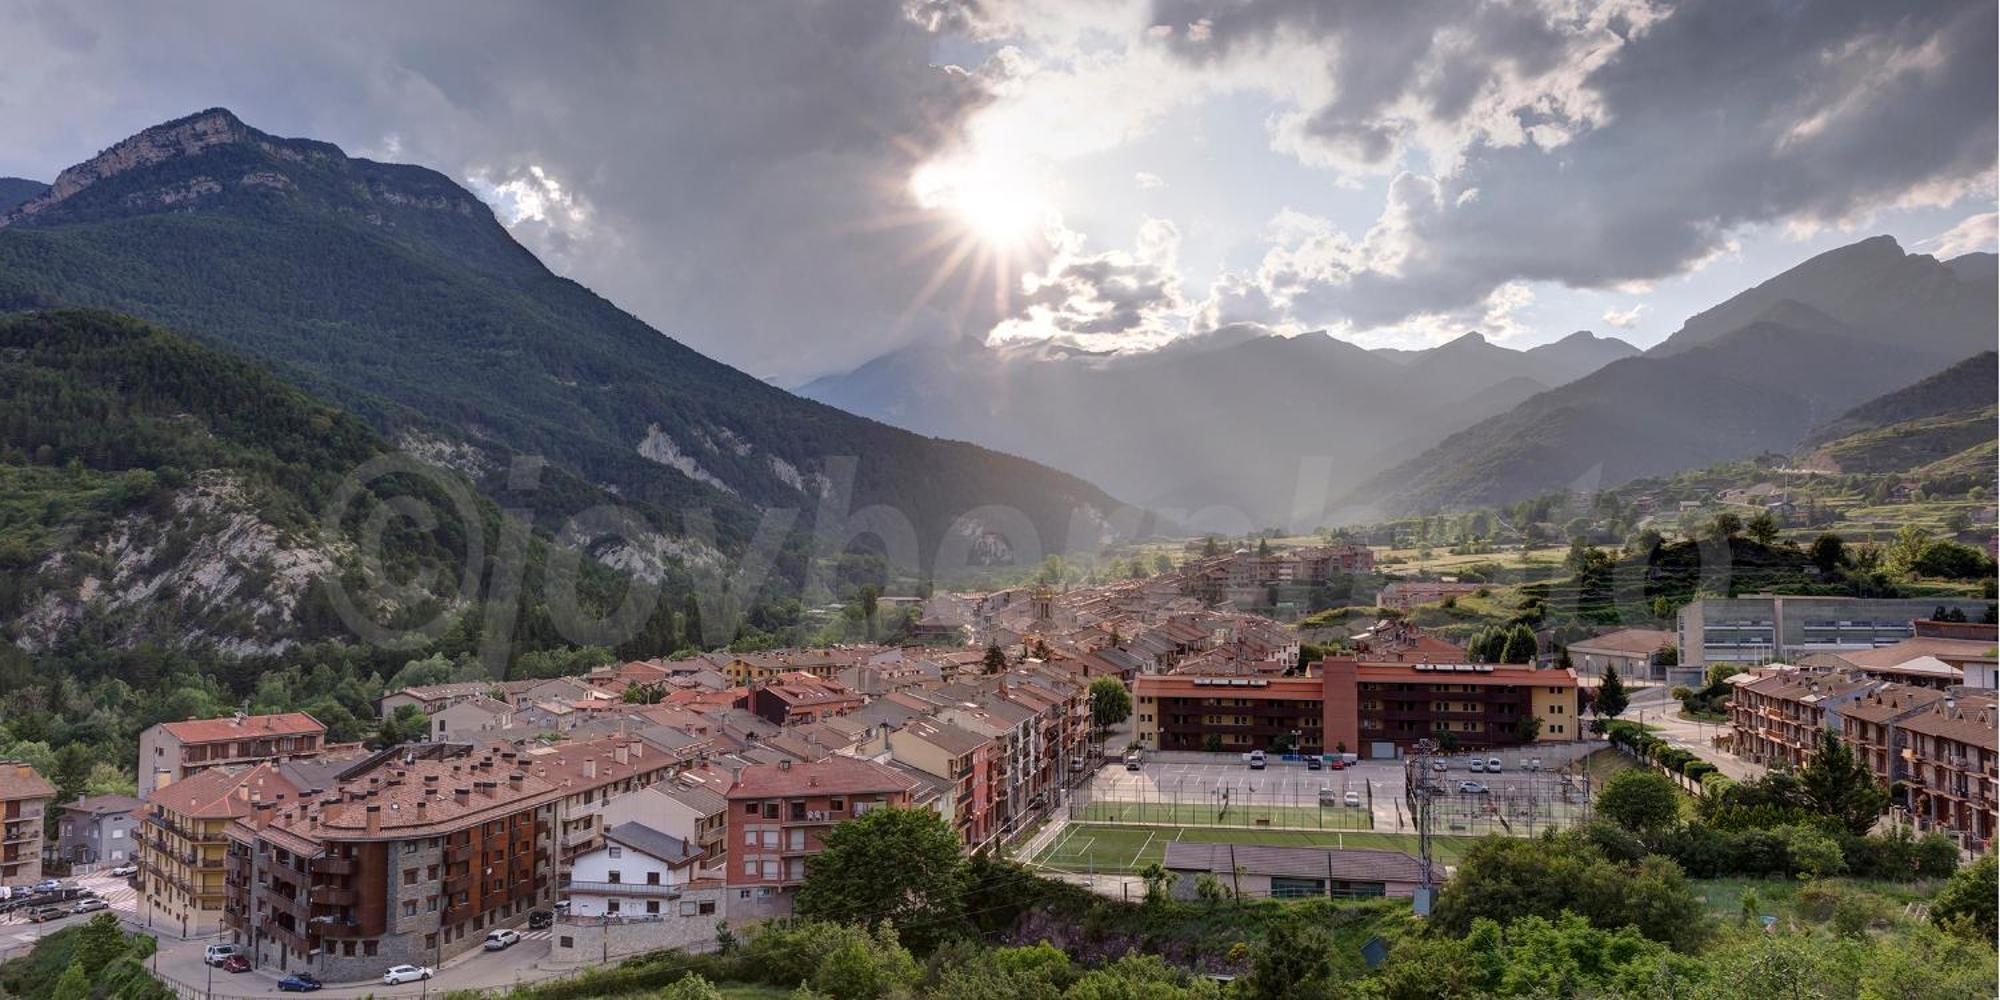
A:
(1096, 734)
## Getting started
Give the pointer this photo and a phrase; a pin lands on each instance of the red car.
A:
(1337, 764)
(236, 963)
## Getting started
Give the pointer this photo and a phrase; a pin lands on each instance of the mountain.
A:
(161, 492)
(1877, 290)
(15, 190)
(1240, 430)
(394, 293)
(1935, 422)
(1755, 373)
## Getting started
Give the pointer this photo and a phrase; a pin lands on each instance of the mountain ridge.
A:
(327, 267)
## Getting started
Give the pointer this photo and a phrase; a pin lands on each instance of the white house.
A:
(690, 807)
(471, 720)
(639, 872)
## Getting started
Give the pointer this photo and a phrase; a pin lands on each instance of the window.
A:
(431, 903)
(613, 876)
(836, 803)
(368, 949)
(118, 833)
(749, 838)
(409, 908)
(567, 942)
(749, 867)
(611, 906)
(652, 878)
(616, 851)
(749, 808)
(707, 906)
(652, 906)
(409, 876)
(431, 873)
(409, 847)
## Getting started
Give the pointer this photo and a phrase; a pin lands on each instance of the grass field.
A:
(1098, 847)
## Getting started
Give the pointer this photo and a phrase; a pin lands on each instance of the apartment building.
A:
(431, 699)
(797, 698)
(1950, 785)
(172, 751)
(779, 814)
(1767, 628)
(689, 806)
(1871, 727)
(1232, 714)
(1776, 713)
(24, 801)
(413, 854)
(1381, 708)
(184, 844)
(960, 757)
(99, 830)
(638, 872)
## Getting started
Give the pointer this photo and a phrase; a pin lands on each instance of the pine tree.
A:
(996, 660)
(691, 636)
(1611, 696)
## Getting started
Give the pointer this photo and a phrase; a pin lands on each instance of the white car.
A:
(405, 974)
(124, 871)
(1352, 798)
(216, 954)
(1478, 766)
(1471, 788)
(502, 940)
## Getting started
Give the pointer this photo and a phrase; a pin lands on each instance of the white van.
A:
(216, 954)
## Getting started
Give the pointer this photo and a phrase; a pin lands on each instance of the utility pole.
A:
(1421, 794)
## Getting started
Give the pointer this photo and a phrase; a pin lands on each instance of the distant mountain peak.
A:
(1470, 338)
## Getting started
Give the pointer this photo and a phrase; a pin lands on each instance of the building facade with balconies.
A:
(780, 814)
(24, 803)
(638, 873)
(1776, 713)
(172, 751)
(1952, 769)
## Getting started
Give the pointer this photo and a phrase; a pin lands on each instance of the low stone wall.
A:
(690, 926)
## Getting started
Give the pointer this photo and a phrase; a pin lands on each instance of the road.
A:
(180, 961)
(1655, 707)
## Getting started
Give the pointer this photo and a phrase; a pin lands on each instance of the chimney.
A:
(590, 768)
(784, 764)
(374, 819)
(618, 754)
(462, 794)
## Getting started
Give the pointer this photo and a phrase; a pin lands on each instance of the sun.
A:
(1004, 206)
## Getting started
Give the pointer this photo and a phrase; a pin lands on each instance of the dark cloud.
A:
(732, 172)
(1666, 133)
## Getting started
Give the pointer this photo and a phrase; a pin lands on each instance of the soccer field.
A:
(1206, 814)
(1095, 847)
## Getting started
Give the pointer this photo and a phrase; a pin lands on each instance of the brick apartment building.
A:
(798, 698)
(1374, 703)
(413, 854)
(1776, 713)
(1229, 714)
(779, 814)
(171, 751)
(24, 803)
(1951, 781)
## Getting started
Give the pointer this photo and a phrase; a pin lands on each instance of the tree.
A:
(1528, 729)
(1295, 960)
(1838, 784)
(73, 984)
(1968, 900)
(407, 723)
(1827, 552)
(692, 634)
(871, 599)
(1504, 879)
(690, 987)
(1162, 564)
(1763, 527)
(1110, 702)
(996, 659)
(1612, 699)
(1726, 526)
(898, 865)
(1641, 801)
(1521, 646)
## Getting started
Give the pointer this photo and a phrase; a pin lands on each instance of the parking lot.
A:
(1222, 790)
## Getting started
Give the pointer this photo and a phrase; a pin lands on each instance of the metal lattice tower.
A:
(1418, 786)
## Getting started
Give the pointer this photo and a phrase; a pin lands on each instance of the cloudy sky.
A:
(797, 188)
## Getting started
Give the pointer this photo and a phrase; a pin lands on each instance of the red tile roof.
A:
(833, 776)
(233, 728)
(20, 780)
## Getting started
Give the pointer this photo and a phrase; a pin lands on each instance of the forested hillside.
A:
(393, 292)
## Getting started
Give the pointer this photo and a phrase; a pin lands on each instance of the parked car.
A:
(1134, 761)
(90, 905)
(399, 974)
(1314, 763)
(1256, 760)
(1337, 764)
(1352, 798)
(1438, 765)
(44, 914)
(502, 939)
(236, 963)
(216, 954)
(298, 982)
(1534, 763)
(123, 871)
(1478, 766)
(1471, 788)
(48, 885)
(540, 919)
(1492, 765)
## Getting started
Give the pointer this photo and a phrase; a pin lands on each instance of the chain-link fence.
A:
(1337, 804)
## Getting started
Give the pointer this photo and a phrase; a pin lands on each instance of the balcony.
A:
(334, 866)
(288, 904)
(340, 929)
(333, 895)
(625, 889)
